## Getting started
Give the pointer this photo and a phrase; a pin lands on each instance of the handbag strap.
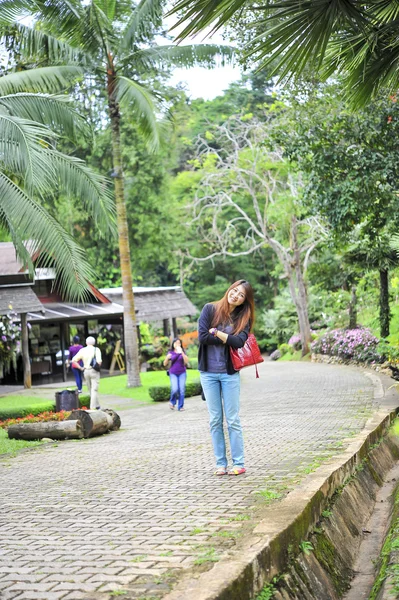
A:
(253, 358)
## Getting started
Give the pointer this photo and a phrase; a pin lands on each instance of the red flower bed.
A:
(44, 416)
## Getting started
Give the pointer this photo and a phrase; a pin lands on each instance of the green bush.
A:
(193, 388)
(284, 348)
(193, 364)
(33, 406)
(161, 393)
(25, 409)
(156, 363)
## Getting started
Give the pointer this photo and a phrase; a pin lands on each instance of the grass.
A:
(8, 446)
(295, 356)
(25, 404)
(116, 386)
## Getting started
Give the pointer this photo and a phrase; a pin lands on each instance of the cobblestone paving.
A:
(126, 511)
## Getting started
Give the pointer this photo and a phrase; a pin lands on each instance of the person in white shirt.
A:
(92, 377)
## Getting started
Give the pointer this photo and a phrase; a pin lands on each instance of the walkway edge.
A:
(265, 553)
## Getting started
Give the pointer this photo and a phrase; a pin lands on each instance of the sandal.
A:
(237, 471)
(171, 406)
(221, 471)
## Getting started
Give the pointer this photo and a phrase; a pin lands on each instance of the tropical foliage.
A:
(33, 168)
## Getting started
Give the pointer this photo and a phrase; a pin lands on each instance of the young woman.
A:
(222, 325)
(177, 371)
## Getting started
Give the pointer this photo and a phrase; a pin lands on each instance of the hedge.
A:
(161, 393)
(25, 409)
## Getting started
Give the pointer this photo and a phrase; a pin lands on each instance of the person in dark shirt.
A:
(177, 372)
(222, 325)
(77, 373)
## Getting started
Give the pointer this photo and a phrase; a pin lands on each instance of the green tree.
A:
(106, 39)
(32, 167)
(247, 199)
(351, 168)
(356, 39)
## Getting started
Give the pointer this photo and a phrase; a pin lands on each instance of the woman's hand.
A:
(219, 334)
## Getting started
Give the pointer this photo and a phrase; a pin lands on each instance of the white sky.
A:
(201, 82)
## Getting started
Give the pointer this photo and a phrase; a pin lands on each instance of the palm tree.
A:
(358, 39)
(106, 38)
(31, 168)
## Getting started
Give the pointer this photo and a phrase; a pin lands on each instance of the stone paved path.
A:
(127, 511)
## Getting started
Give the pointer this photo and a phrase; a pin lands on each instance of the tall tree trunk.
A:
(129, 314)
(302, 297)
(25, 352)
(353, 308)
(384, 303)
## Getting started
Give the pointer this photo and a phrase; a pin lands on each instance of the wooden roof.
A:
(156, 304)
(21, 298)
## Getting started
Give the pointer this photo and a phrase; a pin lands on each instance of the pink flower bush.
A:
(356, 344)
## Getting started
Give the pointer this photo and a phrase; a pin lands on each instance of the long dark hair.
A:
(173, 343)
(241, 314)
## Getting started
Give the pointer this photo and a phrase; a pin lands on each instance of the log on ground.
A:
(116, 420)
(93, 422)
(55, 430)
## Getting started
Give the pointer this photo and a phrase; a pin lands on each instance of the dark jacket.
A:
(206, 339)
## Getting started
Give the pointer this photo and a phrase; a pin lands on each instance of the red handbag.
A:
(246, 356)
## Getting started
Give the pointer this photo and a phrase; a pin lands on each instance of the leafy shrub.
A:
(284, 348)
(193, 388)
(23, 411)
(388, 352)
(275, 355)
(193, 364)
(16, 412)
(84, 400)
(147, 351)
(357, 344)
(161, 393)
(295, 341)
(41, 417)
(156, 363)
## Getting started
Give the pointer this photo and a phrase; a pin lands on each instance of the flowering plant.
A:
(10, 341)
(357, 344)
(45, 416)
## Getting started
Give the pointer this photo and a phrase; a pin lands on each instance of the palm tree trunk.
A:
(129, 314)
(384, 303)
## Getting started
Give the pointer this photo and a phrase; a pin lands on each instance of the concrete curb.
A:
(265, 552)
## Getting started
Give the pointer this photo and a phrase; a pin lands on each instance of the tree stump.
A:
(55, 430)
(93, 422)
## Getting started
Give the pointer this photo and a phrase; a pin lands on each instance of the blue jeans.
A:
(178, 388)
(77, 373)
(222, 393)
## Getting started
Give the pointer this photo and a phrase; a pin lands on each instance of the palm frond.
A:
(35, 44)
(10, 10)
(77, 180)
(145, 17)
(199, 15)
(21, 151)
(206, 55)
(302, 33)
(368, 62)
(49, 79)
(144, 109)
(54, 111)
(98, 30)
(27, 220)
